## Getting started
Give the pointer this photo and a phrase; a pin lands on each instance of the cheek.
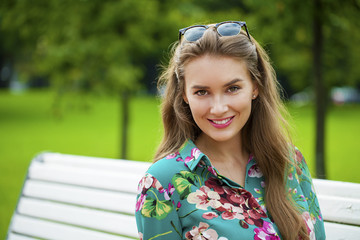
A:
(243, 105)
(198, 108)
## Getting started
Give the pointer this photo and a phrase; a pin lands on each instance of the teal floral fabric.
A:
(184, 197)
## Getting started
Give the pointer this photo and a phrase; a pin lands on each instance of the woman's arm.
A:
(155, 213)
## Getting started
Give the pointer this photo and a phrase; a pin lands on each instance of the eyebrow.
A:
(233, 82)
(225, 85)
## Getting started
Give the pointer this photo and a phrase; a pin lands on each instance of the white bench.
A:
(76, 197)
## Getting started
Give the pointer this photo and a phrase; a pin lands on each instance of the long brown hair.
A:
(265, 134)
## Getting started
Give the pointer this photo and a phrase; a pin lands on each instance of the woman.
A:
(225, 168)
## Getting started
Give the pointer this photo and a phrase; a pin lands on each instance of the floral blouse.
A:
(184, 197)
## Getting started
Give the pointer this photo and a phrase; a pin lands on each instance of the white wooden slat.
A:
(337, 188)
(341, 232)
(55, 231)
(338, 209)
(14, 236)
(95, 162)
(120, 181)
(90, 218)
(95, 198)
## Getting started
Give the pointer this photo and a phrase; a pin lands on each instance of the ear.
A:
(255, 91)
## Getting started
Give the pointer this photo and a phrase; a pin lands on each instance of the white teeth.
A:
(222, 121)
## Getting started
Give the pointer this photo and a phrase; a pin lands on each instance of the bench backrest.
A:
(340, 206)
(77, 197)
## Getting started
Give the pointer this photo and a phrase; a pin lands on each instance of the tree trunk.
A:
(320, 90)
(124, 103)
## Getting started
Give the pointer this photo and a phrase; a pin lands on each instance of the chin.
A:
(224, 138)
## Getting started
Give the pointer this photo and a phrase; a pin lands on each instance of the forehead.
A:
(215, 69)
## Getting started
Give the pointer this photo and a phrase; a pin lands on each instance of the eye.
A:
(233, 89)
(201, 92)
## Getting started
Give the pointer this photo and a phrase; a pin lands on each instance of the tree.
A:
(87, 46)
(320, 93)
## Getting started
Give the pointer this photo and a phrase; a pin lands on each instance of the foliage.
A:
(80, 44)
(106, 45)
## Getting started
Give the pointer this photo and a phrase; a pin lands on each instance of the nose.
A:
(219, 106)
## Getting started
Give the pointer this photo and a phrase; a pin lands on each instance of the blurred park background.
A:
(79, 77)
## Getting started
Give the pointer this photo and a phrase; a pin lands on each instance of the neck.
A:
(226, 151)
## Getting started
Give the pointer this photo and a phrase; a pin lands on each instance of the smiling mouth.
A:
(221, 123)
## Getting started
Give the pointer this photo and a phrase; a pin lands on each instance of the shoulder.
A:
(299, 172)
(297, 160)
(298, 157)
(164, 169)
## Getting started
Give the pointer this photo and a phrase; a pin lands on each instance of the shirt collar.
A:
(191, 155)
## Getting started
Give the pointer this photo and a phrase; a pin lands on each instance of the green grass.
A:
(28, 127)
(341, 138)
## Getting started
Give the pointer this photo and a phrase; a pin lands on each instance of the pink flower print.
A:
(230, 212)
(262, 183)
(201, 163)
(266, 232)
(298, 156)
(195, 153)
(255, 171)
(157, 185)
(173, 155)
(253, 213)
(293, 191)
(255, 210)
(204, 198)
(141, 236)
(209, 215)
(145, 183)
(187, 160)
(140, 202)
(178, 205)
(291, 177)
(212, 170)
(168, 191)
(215, 184)
(202, 233)
(303, 198)
(309, 224)
(234, 197)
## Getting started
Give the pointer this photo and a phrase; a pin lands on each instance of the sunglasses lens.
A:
(195, 33)
(229, 29)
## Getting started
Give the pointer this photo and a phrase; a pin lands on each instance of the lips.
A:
(221, 123)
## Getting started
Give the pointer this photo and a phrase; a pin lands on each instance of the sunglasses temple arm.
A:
(247, 32)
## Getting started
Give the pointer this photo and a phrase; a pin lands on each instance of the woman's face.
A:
(219, 91)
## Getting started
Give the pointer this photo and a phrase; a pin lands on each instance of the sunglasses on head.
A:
(228, 28)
